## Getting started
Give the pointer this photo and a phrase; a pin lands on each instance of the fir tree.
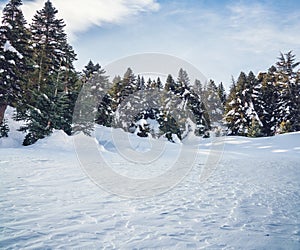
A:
(4, 129)
(159, 83)
(53, 55)
(255, 129)
(170, 84)
(54, 83)
(287, 79)
(239, 109)
(15, 56)
(266, 101)
(90, 69)
(222, 94)
(212, 102)
(129, 85)
(234, 115)
(183, 82)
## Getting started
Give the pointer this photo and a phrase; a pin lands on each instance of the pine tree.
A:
(129, 85)
(287, 80)
(4, 129)
(212, 102)
(170, 84)
(54, 83)
(15, 56)
(115, 92)
(222, 94)
(186, 104)
(234, 110)
(254, 129)
(53, 55)
(90, 69)
(105, 111)
(266, 101)
(198, 88)
(240, 108)
(183, 82)
(159, 83)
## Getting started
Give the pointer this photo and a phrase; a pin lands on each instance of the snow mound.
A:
(58, 140)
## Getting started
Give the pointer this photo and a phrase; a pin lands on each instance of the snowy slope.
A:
(251, 201)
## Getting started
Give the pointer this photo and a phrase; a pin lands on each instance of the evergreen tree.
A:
(105, 108)
(255, 129)
(129, 85)
(149, 82)
(266, 101)
(54, 83)
(234, 112)
(187, 105)
(212, 102)
(90, 69)
(159, 83)
(170, 84)
(289, 95)
(15, 56)
(53, 55)
(198, 88)
(115, 92)
(4, 129)
(222, 94)
(240, 111)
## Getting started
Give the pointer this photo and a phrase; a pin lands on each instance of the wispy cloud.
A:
(80, 15)
(221, 38)
(257, 27)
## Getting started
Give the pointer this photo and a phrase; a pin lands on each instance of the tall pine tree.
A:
(15, 56)
(287, 78)
(54, 80)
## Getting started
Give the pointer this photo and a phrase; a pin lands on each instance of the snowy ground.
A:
(251, 201)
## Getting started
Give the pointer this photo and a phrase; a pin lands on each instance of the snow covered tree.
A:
(265, 101)
(212, 102)
(4, 129)
(105, 111)
(222, 94)
(287, 81)
(159, 83)
(53, 84)
(239, 109)
(183, 82)
(140, 82)
(198, 87)
(129, 85)
(15, 56)
(53, 55)
(170, 84)
(115, 92)
(254, 129)
(187, 104)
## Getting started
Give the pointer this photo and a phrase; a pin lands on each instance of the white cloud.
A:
(257, 28)
(80, 15)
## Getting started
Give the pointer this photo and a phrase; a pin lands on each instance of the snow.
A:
(15, 138)
(250, 201)
(9, 47)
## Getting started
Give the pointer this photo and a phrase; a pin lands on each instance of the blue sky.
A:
(220, 38)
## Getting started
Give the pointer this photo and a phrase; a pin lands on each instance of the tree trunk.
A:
(2, 111)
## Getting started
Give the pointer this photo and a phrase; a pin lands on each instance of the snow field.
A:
(251, 200)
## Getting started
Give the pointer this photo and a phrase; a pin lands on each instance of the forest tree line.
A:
(38, 79)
